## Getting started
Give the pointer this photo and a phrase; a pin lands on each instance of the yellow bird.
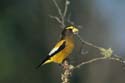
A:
(63, 48)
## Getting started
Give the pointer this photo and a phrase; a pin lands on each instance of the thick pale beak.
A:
(75, 31)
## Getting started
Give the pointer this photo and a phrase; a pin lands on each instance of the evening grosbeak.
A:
(63, 48)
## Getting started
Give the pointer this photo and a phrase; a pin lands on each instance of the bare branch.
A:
(58, 20)
(61, 15)
(87, 43)
(90, 61)
(97, 59)
(66, 8)
(67, 71)
(58, 8)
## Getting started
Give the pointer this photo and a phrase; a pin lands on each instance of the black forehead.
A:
(66, 31)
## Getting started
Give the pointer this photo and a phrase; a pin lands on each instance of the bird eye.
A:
(71, 30)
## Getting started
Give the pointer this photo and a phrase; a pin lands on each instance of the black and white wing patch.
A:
(58, 47)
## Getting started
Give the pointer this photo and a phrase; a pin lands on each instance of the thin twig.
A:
(87, 43)
(58, 20)
(58, 8)
(97, 59)
(90, 61)
(117, 59)
(66, 8)
(61, 15)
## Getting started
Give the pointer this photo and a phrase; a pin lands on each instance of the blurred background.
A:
(27, 34)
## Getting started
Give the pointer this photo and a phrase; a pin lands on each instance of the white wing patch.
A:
(53, 51)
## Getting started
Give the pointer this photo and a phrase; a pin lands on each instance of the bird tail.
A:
(45, 61)
(38, 66)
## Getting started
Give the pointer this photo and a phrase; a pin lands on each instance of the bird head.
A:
(73, 29)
